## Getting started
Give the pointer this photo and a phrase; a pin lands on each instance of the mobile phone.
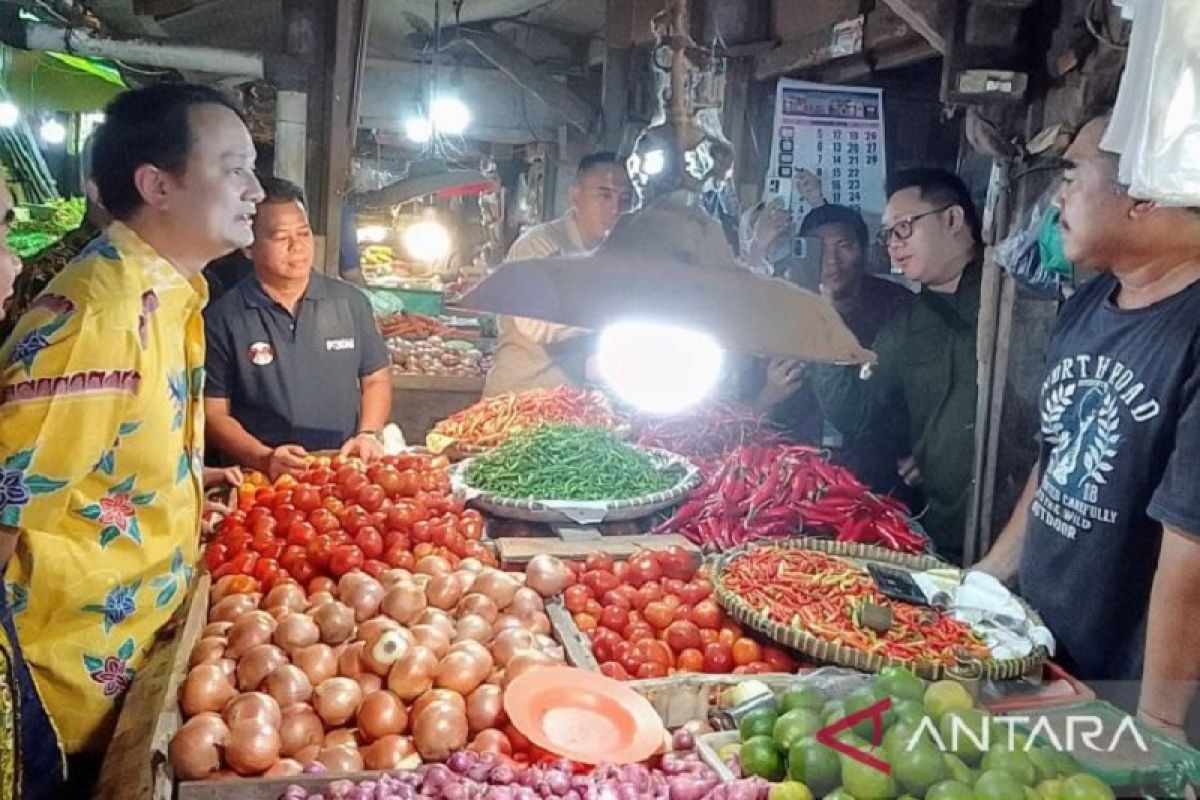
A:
(897, 584)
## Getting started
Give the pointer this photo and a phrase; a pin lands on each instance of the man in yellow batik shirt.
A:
(101, 422)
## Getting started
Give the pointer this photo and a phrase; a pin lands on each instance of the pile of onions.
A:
(377, 674)
(492, 777)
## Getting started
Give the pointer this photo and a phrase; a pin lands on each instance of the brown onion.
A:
(318, 599)
(308, 755)
(369, 682)
(439, 619)
(404, 602)
(257, 664)
(497, 585)
(421, 581)
(526, 601)
(432, 637)
(251, 747)
(547, 575)
(229, 667)
(394, 577)
(439, 731)
(463, 671)
(473, 626)
(471, 565)
(295, 631)
(223, 587)
(372, 627)
(347, 582)
(491, 741)
(364, 598)
(253, 706)
(506, 621)
(340, 759)
(480, 605)
(381, 650)
(485, 708)
(336, 622)
(511, 641)
(284, 768)
(412, 674)
(288, 685)
(523, 662)
(537, 622)
(432, 565)
(206, 688)
(387, 752)
(350, 659)
(220, 629)
(318, 662)
(336, 700)
(381, 714)
(437, 696)
(279, 612)
(466, 579)
(207, 651)
(231, 608)
(250, 630)
(341, 737)
(194, 751)
(299, 728)
(443, 592)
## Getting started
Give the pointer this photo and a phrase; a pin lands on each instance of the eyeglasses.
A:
(903, 229)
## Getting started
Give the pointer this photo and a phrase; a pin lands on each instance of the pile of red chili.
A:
(776, 491)
(824, 596)
(489, 422)
(707, 432)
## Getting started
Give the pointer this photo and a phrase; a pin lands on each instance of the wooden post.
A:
(614, 95)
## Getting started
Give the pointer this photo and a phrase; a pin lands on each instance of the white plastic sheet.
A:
(1156, 121)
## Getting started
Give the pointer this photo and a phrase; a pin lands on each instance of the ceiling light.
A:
(659, 368)
(53, 132)
(450, 116)
(418, 129)
(9, 114)
(427, 241)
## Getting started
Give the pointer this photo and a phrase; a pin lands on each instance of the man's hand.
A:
(909, 472)
(285, 459)
(230, 476)
(784, 377)
(365, 446)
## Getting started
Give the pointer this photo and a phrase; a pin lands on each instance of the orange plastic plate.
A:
(583, 716)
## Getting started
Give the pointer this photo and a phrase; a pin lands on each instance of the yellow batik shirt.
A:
(101, 436)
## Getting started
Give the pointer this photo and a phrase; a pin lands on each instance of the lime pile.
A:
(933, 740)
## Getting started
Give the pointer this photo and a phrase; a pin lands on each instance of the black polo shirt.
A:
(293, 379)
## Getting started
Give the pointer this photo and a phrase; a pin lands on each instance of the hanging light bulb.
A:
(450, 116)
(418, 129)
(53, 132)
(427, 240)
(659, 368)
(9, 114)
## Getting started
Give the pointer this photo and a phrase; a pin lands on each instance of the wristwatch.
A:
(373, 434)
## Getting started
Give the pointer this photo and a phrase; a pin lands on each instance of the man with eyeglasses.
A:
(1105, 541)
(529, 352)
(920, 397)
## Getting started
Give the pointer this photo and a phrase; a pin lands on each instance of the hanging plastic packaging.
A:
(1156, 121)
(1033, 254)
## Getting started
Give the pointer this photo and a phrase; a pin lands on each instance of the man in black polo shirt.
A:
(295, 362)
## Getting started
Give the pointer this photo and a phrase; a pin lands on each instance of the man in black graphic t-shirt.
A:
(1105, 542)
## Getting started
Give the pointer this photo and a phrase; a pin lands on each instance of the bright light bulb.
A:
(372, 234)
(9, 114)
(418, 129)
(427, 241)
(450, 116)
(659, 368)
(53, 132)
(653, 162)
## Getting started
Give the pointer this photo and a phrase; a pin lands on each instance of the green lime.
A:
(1083, 786)
(945, 696)
(958, 770)
(808, 697)
(1015, 762)
(866, 782)
(950, 790)
(902, 736)
(833, 711)
(1043, 763)
(760, 757)
(1049, 790)
(759, 722)
(840, 794)
(815, 765)
(964, 732)
(998, 785)
(863, 700)
(908, 710)
(899, 683)
(1065, 763)
(794, 726)
(789, 790)
(918, 768)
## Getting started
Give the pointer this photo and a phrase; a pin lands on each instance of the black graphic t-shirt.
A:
(1120, 455)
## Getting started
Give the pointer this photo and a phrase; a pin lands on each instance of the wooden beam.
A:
(925, 17)
(521, 69)
(614, 94)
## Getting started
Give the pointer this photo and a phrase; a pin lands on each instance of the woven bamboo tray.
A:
(823, 650)
(561, 511)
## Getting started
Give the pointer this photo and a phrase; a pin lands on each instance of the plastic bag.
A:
(1033, 254)
(1156, 122)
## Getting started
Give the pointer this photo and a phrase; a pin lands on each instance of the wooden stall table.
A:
(421, 401)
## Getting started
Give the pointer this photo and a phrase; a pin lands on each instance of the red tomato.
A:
(388, 479)
(745, 651)
(778, 660)
(306, 498)
(264, 496)
(671, 601)
(727, 637)
(393, 539)
(243, 564)
(215, 555)
(321, 583)
(263, 542)
(653, 651)
(318, 477)
(291, 554)
(708, 636)
(319, 551)
(677, 563)
(706, 614)
(614, 617)
(323, 521)
(331, 503)
(594, 608)
(410, 483)
(599, 561)
(345, 557)
(421, 532)
(374, 567)
(370, 542)
(659, 614)
(284, 514)
(302, 571)
(237, 540)
(693, 592)
(623, 654)
(576, 597)
(400, 517)
(604, 644)
(621, 570)
(371, 497)
(617, 598)
(717, 660)
(266, 569)
(614, 670)
(643, 569)
(681, 636)
(471, 528)
(585, 621)
(300, 533)
(646, 594)
(600, 581)
(264, 526)
(639, 630)
(690, 660)
(683, 612)
(650, 669)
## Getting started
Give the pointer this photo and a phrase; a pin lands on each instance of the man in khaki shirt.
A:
(532, 353)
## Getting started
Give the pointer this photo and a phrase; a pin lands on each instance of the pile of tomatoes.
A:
(338, 516)
(654, 615)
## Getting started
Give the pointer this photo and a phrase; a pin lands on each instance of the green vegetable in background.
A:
(568, 462)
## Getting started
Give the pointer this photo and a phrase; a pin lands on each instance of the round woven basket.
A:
(460, 451)
(554, 511)
(832, 652)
